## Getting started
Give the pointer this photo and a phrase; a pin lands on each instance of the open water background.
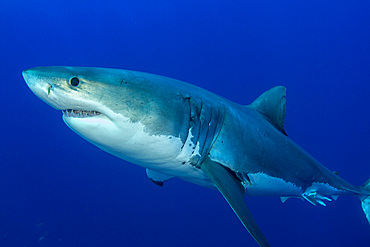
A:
(58, 190)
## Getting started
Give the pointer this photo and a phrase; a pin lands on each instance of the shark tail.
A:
(365, 201)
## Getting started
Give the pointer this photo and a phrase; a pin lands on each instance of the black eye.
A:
(74, 81)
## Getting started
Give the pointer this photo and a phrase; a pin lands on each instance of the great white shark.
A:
(175, 129)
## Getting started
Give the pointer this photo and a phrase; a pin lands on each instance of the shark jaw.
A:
(80, 113)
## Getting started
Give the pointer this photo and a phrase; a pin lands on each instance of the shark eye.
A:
(74, 81)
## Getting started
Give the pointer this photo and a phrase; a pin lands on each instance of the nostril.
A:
(49, 88)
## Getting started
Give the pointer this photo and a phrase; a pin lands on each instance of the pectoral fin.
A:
(233, 191)
(157, 178)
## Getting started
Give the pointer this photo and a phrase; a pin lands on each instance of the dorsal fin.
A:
(272, 105)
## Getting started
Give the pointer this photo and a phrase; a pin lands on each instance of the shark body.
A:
(175, 129)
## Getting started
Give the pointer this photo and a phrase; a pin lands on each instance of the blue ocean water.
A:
(58, 190)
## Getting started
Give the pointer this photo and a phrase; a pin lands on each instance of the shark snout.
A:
(37, 84)
(26, 76)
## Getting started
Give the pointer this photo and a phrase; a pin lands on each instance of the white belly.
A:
(264, 185)
(129, 141)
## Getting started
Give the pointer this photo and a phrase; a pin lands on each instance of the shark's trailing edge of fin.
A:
(233, 191)
(365, 202)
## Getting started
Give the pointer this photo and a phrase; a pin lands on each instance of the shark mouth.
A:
(80, 113)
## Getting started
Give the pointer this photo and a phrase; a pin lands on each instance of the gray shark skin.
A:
(175, 129)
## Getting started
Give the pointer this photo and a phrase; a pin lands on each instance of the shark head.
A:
(120, 111)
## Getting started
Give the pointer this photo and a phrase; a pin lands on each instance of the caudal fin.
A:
(365, 202)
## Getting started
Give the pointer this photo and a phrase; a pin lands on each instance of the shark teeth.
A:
(79, 113)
